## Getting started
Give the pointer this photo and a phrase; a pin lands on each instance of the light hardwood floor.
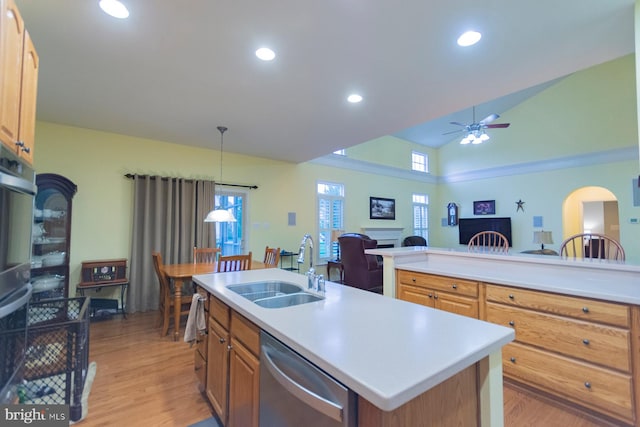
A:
(143, 380)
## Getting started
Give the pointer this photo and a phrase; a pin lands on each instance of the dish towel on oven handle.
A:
(196, 322)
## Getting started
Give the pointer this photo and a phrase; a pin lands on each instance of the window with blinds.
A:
(421, 216)
(330, 217)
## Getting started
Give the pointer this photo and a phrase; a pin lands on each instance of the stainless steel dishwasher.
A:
(294, 392)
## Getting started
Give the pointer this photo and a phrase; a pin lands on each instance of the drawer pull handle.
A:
(435, 296)
(513, 359)
(430, 295)
(585, 309)
(222, 340)
(413, 279)
(511, 323)
(585, 341)
(454, 286)
(587, 384)
(511, 296)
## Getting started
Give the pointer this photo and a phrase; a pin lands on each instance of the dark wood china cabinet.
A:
(51, 236)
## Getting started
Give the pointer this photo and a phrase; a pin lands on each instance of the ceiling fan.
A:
(475, 131)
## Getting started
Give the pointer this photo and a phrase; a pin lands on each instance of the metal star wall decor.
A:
(520, 204)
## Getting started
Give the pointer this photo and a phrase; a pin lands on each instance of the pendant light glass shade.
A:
(220, 215)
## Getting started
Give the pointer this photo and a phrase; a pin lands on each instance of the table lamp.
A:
(334, 238)
(542, 237)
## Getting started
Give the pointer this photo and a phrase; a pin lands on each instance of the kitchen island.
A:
(577, 322)
(389, 352)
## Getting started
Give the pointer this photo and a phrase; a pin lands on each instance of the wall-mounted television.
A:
(468, 227)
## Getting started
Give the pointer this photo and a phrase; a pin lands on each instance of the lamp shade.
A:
(542, 237)
(220, 215)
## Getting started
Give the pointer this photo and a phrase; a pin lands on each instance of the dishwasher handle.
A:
(319, 403)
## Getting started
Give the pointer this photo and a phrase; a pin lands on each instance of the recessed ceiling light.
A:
(114, 8)
(469, 38)
(265, 54)
(354, 98)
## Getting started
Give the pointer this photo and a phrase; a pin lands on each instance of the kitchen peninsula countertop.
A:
(592, 278)
(388, 351)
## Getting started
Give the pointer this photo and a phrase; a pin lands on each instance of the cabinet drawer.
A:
(246, 332)
(415, 294)
(219, 311)
(200, 367)
(584, 340)
(441, 283)
(579, 308)
(579, 382)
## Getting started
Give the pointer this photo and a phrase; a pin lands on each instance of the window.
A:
(330, 217)
(230, 235)
(421, 216)
(419, 162)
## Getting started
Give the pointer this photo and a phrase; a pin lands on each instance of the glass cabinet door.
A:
(51, 237)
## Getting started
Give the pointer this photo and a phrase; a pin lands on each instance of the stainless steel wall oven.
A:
(17, 194)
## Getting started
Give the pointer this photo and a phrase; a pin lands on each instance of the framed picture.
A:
(380, 208)
(484, 207)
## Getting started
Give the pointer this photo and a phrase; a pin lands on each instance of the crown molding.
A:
(580, 160)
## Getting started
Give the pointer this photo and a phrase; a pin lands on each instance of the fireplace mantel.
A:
(385, 235)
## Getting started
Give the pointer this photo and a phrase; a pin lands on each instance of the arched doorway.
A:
(591, 209)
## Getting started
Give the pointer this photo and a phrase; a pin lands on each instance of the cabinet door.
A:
(11, 43)
(218, 368)
(456, 304)
(28, 96)
(244, 387)
(416, 295)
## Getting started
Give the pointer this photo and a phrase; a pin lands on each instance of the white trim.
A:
(601, 157)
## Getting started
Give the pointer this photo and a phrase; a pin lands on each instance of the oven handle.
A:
(18, 184)
(16, 301)
(326, 407)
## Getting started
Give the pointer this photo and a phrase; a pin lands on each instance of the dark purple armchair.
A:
(360, 270)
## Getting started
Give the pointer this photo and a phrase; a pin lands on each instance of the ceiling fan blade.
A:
(498, 125)
(458, 124)
(489, 119)
(453, 131)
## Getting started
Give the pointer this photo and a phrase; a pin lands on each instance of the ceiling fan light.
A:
(466, 140)
(476, 140)
(484, 137)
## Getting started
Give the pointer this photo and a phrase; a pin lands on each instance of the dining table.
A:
(181, 274)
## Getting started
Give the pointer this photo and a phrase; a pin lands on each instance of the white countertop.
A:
(600, 279)
(386, 350)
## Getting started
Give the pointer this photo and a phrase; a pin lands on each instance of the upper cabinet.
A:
(19, 83)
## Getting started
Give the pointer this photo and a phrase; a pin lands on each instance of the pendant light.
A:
(220, 215)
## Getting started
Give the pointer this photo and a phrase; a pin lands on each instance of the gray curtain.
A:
(168, 216)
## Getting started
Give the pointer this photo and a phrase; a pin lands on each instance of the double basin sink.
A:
(274, 294)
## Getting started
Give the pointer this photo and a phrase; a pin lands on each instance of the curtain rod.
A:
(166, 178)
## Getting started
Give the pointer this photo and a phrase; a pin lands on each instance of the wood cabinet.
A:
(578, 349)
(52, 244)
(233, 366)
(458, 296)
(18, 79)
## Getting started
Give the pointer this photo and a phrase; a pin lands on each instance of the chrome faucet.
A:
(311, 273)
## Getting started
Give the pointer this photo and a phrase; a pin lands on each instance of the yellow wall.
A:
(565, 118)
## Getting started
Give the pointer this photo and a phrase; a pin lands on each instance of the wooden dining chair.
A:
(591, 245)
(205, 255)
(234, 263)
(271, 257)
(168, 304)
(489, 241)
